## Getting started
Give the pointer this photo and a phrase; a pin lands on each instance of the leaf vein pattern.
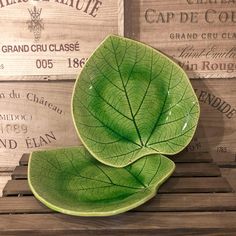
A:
(127, 98)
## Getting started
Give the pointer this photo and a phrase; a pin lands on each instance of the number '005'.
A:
(44, 63)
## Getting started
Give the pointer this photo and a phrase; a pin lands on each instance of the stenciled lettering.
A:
(90, 7)
(32, 97)
(216, 102)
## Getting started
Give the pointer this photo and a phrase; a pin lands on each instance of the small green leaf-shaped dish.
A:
(72, 182)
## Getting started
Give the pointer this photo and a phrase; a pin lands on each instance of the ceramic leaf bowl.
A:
(131, 105)
(130, 101)
(72, 182)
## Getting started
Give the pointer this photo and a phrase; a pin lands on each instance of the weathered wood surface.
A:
(183, 206)
(66, 35)
(163, 223)
(230, 174)
(216, 130)
(173, 185)
(224, 160)
(4, 178)
(26, 122)
(162, 202)
(33, 116)
(198, 34)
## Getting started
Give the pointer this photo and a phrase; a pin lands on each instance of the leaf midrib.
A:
(126, 95)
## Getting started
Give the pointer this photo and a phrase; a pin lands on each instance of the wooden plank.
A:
(196, 169)
(3, 180)
(6, 169)
(230, 175)
(182, 170)
(227, 164)
(195, 185)
(192, 32)
(51, 51)
(204, 223)
(192, 157)
(225, 159)
(162, 202)
(121, 20)
(20, 172)
(191, 202)
(173, 185)
(24, 159)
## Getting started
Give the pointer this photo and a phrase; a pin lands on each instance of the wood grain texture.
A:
(4, 178)
(198, 34)
(216, 130)
(208, 223)
(173, 185)
(26, 122)
(162, 202)
(59, 23)
(230, 174)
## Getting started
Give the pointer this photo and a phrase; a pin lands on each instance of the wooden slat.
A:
(230, 175)
(20, 172)
(182, 170)
(183, 157)
(24, 159)
(225, 160)
(192, 157)
(227, 164)
(208, 223)
(196, 169)
(3, 180)
(6, 169)
(195, 185)
(162, 202)
(173, 185)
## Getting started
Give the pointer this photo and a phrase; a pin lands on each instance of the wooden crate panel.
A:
(53, 37)
(34, 116)
(24, 119)
(216, 131)
(200, 35)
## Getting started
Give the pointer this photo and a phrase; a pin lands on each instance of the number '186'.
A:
(76, 62)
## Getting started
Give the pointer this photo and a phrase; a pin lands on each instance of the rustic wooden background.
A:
(21, 82)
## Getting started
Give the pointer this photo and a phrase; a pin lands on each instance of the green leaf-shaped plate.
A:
(130, 101)
(71, 181)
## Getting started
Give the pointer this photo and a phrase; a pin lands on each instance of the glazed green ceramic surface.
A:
(71, 181)
(130, 101)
